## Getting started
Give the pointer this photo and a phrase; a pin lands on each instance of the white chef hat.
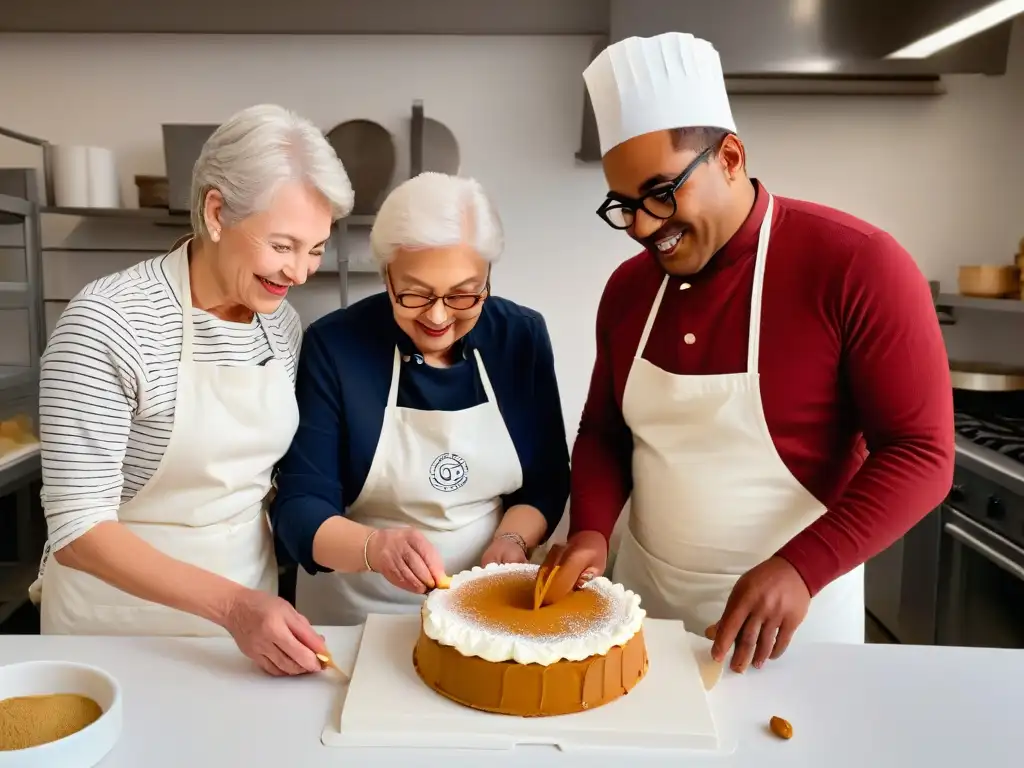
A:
(645, 84)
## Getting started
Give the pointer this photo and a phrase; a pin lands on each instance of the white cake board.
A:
(387, 705)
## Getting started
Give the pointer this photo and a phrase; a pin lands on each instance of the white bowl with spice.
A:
(57, 714)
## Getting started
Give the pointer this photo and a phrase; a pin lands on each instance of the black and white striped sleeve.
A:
(89, 389)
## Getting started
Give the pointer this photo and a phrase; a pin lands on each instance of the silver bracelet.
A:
(366, 549)
(516, 539)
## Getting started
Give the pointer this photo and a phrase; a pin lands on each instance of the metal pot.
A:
(986, 377)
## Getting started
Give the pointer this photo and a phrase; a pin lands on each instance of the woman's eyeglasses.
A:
(619, 211)
(456, 301)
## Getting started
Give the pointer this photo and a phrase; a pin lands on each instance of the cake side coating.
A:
(531, 690)
(484, 645)
(486, 613)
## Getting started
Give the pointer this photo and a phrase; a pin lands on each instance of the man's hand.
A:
(586, 553)
(765, 608)
(273, 634)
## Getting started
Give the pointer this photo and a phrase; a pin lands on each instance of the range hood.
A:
(814, 47)
(825, 47)
(837, 39)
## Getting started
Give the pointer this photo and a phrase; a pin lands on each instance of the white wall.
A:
(942, 174)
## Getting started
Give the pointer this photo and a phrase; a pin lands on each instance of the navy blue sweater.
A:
(342, 387)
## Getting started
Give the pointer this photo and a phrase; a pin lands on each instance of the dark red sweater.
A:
(852, 361)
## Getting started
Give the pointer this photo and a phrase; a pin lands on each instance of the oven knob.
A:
(956, 493)
(995, 508)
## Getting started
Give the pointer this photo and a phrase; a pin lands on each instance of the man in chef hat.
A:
(771, 389)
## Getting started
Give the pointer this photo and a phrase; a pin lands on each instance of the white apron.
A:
(441, 472)
(205, 503)
(711, 496)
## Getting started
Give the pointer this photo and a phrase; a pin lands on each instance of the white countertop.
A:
(200, 703)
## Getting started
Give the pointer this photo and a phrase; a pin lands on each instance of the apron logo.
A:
(448, 472)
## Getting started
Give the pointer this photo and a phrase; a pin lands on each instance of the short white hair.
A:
(435, 210)
(248, 157)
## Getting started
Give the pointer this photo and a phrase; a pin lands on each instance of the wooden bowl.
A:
(989, 281)
(153, 191)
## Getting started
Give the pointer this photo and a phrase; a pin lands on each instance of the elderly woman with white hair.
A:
(167, 397)
(431, 436)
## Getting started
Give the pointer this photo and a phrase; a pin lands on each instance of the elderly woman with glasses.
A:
(431, 437)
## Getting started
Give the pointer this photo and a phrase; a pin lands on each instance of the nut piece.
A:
(444, 582)
(781, 728)
(711, 631)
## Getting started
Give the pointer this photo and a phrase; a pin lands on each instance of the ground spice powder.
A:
(28, 721)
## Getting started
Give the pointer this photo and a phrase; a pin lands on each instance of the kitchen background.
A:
(943, 173)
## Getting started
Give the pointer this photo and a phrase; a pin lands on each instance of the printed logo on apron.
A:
(459, 519)
(449, 472)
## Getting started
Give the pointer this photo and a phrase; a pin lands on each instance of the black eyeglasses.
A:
(619, 211)
(457, 301)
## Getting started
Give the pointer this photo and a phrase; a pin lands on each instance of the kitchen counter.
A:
(198, 702)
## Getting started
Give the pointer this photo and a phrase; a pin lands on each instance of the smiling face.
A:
(415, 276)
(706, 203)
(258, 259)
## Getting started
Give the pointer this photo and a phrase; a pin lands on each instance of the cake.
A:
(484, 645)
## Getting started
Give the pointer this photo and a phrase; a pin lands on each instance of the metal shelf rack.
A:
(26, 294)
(19, 383)
(21, 471)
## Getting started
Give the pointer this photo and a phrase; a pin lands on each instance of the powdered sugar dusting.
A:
(605, 615)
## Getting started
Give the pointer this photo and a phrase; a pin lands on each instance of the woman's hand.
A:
(273, 634)
(503, 550)
(404, 557)
(586, 554)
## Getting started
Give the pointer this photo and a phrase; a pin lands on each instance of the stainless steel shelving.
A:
(19, 383)
(25, 294)
(159, 216)
(28, 293)
(956, 301)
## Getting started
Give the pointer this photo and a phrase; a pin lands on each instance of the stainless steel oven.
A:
(981, 585)
(957, 578)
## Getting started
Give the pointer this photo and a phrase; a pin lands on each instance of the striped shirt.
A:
(109, 379)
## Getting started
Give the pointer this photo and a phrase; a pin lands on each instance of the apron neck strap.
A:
(650, 318)
(754, 334)
(396, 368)
(184, 289)
(484, 378)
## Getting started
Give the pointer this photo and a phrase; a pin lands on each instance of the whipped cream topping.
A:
(445, 621)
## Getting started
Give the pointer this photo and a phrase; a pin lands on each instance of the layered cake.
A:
(483, 644)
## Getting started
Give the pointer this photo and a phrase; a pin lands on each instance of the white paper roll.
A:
(104, 185)
(71, 176)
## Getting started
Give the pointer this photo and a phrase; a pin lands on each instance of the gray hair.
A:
(256, 150)
(435, 210)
